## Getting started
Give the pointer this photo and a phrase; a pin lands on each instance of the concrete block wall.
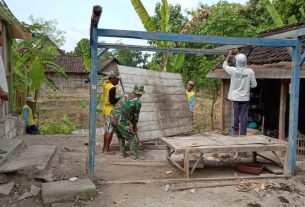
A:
(10, 127)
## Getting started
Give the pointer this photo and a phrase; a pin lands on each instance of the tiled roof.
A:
(267, 55)
(106, 63)
(71, 64)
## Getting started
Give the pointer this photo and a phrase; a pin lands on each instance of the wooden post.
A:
(186, 163)
(282, 115)
(222, 96)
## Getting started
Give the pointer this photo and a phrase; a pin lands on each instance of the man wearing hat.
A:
(109, 101)
(190, 93)
(28, 116)
(124, 120)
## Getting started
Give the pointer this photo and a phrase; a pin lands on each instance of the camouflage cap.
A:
(138, 89)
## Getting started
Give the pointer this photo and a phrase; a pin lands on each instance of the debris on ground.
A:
(167, 188)
(193, 190)
(73, 179)
(254, 205)
(6, 189)
(25, 195)
(34, 190)
(283, 199)
(169, 172)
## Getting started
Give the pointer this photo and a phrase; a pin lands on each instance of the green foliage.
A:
(83, 49)
(142, 13)
(257, 15)
(226, 20)
(30, 59)
(277, 19)
(291, 11)
(61, 126)
(47, 29)
(167, 18)
(131, 58)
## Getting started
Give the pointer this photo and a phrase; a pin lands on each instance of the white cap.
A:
(30, 99)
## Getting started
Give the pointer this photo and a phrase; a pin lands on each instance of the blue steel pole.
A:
(93, 95)
(294, 107)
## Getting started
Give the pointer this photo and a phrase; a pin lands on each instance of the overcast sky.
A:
(73, 16)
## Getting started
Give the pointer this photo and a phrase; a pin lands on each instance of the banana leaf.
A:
(142, 13)
(273, 13)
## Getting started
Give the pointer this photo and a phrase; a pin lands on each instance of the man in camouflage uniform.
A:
(124, 120)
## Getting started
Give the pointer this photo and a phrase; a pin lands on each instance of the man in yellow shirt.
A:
(28, 117)
(109, 101)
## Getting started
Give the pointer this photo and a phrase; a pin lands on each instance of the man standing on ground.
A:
(242, 79)
(109, 101)
(190, 93)
(28, 117)
(124, 120)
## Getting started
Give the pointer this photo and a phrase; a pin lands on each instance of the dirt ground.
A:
(70, 159)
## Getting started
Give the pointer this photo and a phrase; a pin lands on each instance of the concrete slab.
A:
(9, 146)
(6, 188)
(65, 190)
(37, 156)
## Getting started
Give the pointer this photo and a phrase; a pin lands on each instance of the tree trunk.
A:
(165, 61)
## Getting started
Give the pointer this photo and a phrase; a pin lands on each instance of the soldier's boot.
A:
(134, 149)
(122, 147)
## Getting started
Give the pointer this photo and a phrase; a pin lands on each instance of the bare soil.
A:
(70, 160)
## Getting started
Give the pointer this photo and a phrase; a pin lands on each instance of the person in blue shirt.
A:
(28, 117)
(190, 93)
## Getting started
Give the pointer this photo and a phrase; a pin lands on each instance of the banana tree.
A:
(169, 61)
(277, 19)
(30, 60)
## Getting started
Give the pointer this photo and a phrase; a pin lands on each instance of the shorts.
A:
(107, 124)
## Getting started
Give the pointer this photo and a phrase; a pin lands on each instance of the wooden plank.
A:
(139, 71)
(158, 90)
(274, 169)
(177, 130)
(147, 76)
(145, 163)
(185, 180)
(160, 98)
(147, 135)
(163, 124)
(222, 105)
(155, 107)
(186, 164)
(171, 115)
(282, 116)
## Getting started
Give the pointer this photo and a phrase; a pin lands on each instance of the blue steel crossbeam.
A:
(164, 49)
(174, 37)
(297, 60)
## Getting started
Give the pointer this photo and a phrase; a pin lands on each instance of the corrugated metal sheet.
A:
(268, 71)
(165, 109)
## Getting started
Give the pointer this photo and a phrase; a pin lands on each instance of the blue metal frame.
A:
(297, 60)
(164, 49)
(93, 89)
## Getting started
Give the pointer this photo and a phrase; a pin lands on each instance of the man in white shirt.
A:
(242, 79)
